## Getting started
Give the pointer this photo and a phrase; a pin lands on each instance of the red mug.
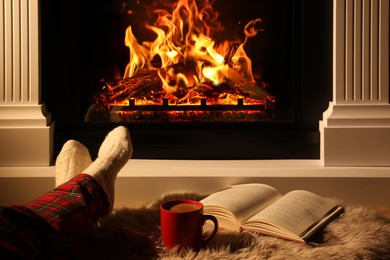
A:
(182, 224)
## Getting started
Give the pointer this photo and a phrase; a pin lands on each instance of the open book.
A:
(296, 216)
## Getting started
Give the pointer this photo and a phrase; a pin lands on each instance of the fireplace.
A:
(352, 129)
(285, 124)
(49, 75)
(200, 62)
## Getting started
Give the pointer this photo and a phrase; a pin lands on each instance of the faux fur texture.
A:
(133, 233)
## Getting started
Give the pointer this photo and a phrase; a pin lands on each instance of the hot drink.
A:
(184, 207)
(182, 224)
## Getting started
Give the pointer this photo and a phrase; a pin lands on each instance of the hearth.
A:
(280, 122)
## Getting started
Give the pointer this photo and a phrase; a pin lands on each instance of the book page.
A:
(295, 212)
(243, 200)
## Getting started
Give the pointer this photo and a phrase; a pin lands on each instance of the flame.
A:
(186, 50)
(185, 69)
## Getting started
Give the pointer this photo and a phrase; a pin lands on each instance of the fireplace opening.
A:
(266, 107)
(188, 64)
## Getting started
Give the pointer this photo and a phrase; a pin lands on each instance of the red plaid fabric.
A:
(31, 229)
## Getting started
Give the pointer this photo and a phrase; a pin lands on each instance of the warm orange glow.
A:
(184, 65)
(189, 56)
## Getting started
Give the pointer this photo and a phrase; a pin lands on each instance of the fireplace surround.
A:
(292, 134)
(354, 131)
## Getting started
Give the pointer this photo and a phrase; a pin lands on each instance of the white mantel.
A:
(355, 130)
(26, 130)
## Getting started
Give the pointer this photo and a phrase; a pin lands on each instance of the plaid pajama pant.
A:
(31, 229)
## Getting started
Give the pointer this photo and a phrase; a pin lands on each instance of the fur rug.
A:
(133, 233)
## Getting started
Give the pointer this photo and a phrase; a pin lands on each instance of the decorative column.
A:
(355, 130)
(26, 129)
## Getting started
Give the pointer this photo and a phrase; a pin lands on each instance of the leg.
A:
(31, 229)
(113, 154)
(72, 159)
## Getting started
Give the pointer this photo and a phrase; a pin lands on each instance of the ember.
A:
(184, 74)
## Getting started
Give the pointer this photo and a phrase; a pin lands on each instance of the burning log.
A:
(148, 85)
(116, 91)
(246, 87)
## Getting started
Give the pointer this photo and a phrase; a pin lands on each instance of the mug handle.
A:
(215, 221)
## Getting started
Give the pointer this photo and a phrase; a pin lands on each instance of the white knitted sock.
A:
(72, 159)
(113, 154)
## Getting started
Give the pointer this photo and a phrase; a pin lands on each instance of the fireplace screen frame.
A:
(298, 138)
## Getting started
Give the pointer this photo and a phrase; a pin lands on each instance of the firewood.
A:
(149, 85)
(246, 87)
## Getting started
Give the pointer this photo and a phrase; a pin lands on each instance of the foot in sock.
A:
(113, 154)
(72, 159)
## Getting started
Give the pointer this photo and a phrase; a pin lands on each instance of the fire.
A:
(184, 63)
(184, 40)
